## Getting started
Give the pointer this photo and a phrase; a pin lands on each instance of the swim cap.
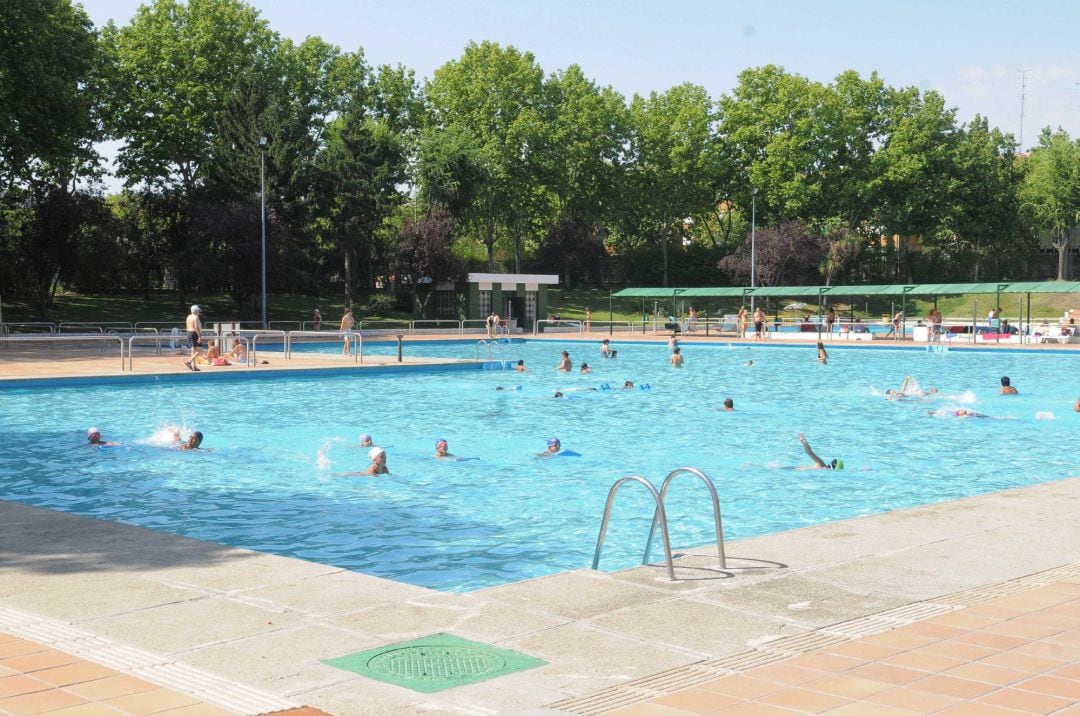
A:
(375, 452)
(554, 442)
(441, 441)
(91, 432)
(364, 437)
(838, 465)
(196, 309)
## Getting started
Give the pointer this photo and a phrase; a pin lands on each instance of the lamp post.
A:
(263, 142)
(753, 244)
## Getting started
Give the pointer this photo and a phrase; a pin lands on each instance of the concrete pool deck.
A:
(902, 610)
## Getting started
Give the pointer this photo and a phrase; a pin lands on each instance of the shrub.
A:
(381, 304)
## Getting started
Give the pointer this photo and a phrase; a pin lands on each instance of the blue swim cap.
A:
(553, 442)
(440, 441)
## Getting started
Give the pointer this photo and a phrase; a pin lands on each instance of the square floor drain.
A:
(434, 663)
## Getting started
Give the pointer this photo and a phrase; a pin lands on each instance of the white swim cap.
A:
(196, 309)
(90, 432)
(375, 452)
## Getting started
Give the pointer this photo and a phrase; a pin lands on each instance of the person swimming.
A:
(628, 385)
(729, 404)
(565, 365)
(677, 358)
(93, 437)
(554, 445)
(819, 464)
(366, 441)
(585, 368)
(378, 462)
(1007, 386)
(520, 365)
(193, 442)
(442, 448)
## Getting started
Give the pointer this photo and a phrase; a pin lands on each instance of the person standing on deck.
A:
(347, 323)
(194, 331)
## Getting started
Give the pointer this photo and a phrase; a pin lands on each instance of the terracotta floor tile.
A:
(19, 684)
(741, 687)
(1031, 632)
(991, 610)
(39, 702)
(988, 674)
(74, 673)
(990, 640)
(962, 620)
(202, 710)
(901, 638)
(1066, 587)
(87, 709)
(939, 631)
(851, 687)
(1050, 650)
(1047, 619)
(803, 700)
(4, 636)
(151, 702)
(1052, 685)
(952, 686)
(1072, 671)
(860, 708)
(647, 708)
(785, 673)
(964, 651)
(860, 649)
(918, 701)
(696, 701)
(18, 647)
(753, 708)
(924, 661)
(1025, 701)
(887, 673)
(37, 661)
(973, 709)
(1070, 637)
(111, 687)
(1024, 662)
(830, 663)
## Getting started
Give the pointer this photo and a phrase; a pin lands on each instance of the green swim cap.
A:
(838, 464)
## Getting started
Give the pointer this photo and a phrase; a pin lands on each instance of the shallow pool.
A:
(275, 479)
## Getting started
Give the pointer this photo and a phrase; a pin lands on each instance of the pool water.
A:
(276, 478)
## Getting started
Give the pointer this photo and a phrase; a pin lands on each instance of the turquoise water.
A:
(275, 479)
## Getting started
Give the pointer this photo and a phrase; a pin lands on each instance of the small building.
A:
(514, 296)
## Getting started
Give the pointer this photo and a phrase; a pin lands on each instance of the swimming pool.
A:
(274, 481)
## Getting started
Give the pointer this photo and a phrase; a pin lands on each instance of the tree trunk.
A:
(1061, 243)
(348, 280)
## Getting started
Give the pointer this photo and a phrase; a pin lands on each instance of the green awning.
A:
(895, 289)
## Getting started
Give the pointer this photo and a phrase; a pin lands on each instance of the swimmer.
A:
(748, 363)
(93, 437)
(442, 448)
(729, 404)
(565, 365)
(819, 464)
(366, 441)
(957, 413)
(553, 448)
(673, 342)
(1006, 386)
(193, 442)
(520, 366)
(378, 462)
(1077, 406)
(585, 368)
(822, 356)
(605, 348)
(558, 394)
(628, 385)
(677, 358)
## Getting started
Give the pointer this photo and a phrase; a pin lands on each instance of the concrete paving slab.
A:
(334, 593)
(286, 661)
(703, 627)
(173, 628)
(100, 597)
(807, 602)
(574, 595)
(241, 570)
(399, 622)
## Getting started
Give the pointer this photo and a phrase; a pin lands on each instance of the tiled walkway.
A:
(1015, 654)
(36, 679)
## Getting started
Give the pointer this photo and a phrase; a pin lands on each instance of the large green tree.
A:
(1050, 195)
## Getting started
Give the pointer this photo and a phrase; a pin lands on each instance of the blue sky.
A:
(970, 51)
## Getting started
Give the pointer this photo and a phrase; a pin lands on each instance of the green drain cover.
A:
(434, 663)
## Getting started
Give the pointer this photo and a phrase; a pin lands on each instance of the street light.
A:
(263, 143)
(753, 258)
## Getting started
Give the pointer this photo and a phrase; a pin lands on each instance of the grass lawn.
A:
(569, 304)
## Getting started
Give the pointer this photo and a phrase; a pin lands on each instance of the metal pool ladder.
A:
(492, 347)
(660, 516)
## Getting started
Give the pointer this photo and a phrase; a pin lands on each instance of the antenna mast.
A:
(1023, 96)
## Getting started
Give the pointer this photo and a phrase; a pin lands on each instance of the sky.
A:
(972, 51)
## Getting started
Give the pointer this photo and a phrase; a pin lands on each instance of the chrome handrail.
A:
(659, 511)
(57, 338)
(716, 511)
(256, 335)
(490, 354)
(31, 324)
(356, 341)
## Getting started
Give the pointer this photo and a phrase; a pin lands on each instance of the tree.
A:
(1050, 194)
(49, 61)
(784, 254)
(425, 253)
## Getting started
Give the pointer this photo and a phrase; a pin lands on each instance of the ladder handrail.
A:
(490, 355)
(716, 511)
(659, 511)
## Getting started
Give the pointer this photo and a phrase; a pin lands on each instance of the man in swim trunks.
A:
(566, 365)
(759, 324)
(677, 358)
(347, 323)
(819, 464)
(194, 331)
(729, 404)
(605, 348)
